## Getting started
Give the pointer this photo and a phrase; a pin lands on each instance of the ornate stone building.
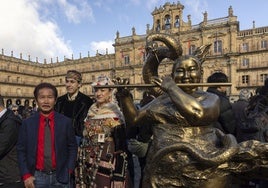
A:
(241, 54)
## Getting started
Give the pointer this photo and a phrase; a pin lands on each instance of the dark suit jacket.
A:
(79, 110)
(9, 126)
(65, 146)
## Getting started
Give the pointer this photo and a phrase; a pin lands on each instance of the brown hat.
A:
(75, 75)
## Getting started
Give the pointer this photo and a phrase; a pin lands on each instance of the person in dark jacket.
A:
(264, 89)
(252, 124)
(226, 121)
(47, 148)
(74, 104)
(9, 128)
(239, 109)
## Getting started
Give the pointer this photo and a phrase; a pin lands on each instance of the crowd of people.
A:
(77, 141)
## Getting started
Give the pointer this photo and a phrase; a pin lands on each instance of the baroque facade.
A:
(241, 54)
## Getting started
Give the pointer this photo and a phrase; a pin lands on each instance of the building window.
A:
(245, 47)
(218, 46)
(245, 79)
(157, 25)
(177, 22)
(167, 22)
(9, 102)
(245, 62)
(191, 49)
(263, 77)
(18, 91)
(126, 58)
(264, 44)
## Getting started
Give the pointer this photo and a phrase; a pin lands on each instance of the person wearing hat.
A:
(105, 133)
(74, 104)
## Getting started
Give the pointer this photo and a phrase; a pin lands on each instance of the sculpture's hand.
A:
(163, 83)
(121, 91)
(120, 81)
(156, 80)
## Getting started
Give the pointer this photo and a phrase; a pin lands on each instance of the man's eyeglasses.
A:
(14, 110)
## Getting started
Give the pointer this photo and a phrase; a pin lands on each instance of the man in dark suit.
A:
(74, 104)
(9, 130)
(47, 147)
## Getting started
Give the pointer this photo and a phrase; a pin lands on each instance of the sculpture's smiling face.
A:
(187, 70)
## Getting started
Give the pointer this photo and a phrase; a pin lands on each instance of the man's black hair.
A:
(45, 85)
(217, 77)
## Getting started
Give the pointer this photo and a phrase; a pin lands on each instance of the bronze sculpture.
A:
(186, 151)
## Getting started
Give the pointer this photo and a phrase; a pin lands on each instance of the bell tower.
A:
(168, 19)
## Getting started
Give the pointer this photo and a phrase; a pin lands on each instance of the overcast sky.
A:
(64, 28)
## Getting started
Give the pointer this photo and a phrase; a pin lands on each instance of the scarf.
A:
(109, 113)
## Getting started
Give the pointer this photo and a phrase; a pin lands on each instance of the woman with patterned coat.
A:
(103, 158)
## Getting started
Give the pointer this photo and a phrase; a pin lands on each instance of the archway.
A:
(8, 102)
(18, 102)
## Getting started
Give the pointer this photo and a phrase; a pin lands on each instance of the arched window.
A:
(177, 22)
(18, 102)
(218, 46)
(9, 102)
(33, 104)
(26, 102)
(167, 22)
(157, 25)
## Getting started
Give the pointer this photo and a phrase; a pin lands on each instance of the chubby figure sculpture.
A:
(186, 151)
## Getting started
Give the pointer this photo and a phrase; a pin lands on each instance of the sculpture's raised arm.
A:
(132, 115)
(199, 109)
